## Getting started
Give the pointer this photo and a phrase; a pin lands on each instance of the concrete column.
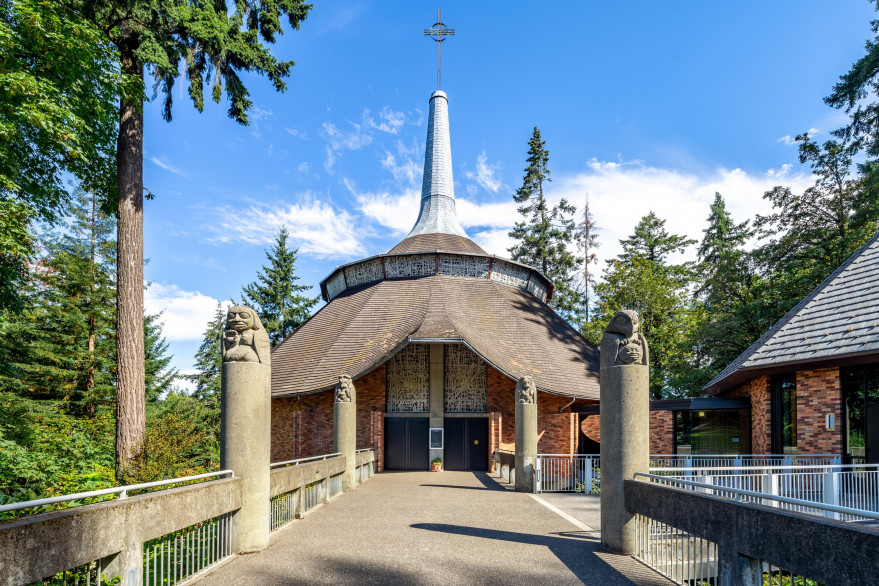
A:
(526, 434)
(625, 426)
(437, 398)
(245, 444)
(127, 564)
(345, 430)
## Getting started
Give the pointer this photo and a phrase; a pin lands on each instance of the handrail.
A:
(570, 455)
(362, 450)
(734, 456)
(301, 460)
(509, 452)
(779, 467)
(122, 491)
(764, 496)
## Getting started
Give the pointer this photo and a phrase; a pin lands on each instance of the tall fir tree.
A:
(587, 243)
(728, 288)
(546, 235)
(160, 374)
(208, 43)
(276, 294)
(209, 362)
(641, 278)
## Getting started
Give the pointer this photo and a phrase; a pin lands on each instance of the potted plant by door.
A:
(436, 464)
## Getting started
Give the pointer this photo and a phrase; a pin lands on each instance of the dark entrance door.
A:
(872, 433)
(466, 443)
(406, 443)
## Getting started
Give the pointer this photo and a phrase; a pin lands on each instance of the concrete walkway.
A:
(434, 528)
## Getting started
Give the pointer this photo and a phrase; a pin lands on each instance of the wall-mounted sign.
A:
(436, 438)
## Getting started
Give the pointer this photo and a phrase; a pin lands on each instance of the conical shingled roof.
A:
(839, 319)
(439, 286)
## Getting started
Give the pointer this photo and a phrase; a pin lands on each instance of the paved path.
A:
(433, 528)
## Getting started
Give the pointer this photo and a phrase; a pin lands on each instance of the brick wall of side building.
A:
(661, 430)
(819, 394)
(761, 412)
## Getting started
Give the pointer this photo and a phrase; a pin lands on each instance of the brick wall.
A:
(661, 430)
(761, 412)
(819, 394)
(303, 426)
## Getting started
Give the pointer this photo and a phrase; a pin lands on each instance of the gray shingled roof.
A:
(839, 318)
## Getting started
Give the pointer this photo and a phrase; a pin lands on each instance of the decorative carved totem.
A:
(345, 390)
(245, 339)
(622, 343)
(526, 392)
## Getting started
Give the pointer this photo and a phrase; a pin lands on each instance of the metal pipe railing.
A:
(750, 468)
(762, 496)
(301, 460)
(122, 491)
(362, 450)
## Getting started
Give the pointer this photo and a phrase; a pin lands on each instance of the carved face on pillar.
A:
(526, 391)
(345, 390)
(244, 339)
(622, 343)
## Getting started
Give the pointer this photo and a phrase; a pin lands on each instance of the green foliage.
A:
(546, 235)
(160, 376)
(209, 362)
(58, 105)
(809, 235)
(276, 296)
(652, 241)
(16, 249)
(587, 242)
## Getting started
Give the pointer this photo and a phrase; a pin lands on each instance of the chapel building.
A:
(435, 334)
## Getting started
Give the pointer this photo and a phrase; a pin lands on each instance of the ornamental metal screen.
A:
(464, 380)
(409, 380)
(416, 265)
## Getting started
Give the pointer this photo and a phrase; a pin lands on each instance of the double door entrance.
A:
(466, 443)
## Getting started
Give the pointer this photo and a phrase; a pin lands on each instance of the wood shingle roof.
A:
(508, 327)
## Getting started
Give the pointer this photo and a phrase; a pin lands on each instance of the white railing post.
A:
(770, 487)
(831, 492)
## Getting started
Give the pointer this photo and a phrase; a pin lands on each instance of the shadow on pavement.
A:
(574, 549)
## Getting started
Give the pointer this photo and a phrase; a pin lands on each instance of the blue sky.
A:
(643, 105)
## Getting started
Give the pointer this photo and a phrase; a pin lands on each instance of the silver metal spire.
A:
(437, 214)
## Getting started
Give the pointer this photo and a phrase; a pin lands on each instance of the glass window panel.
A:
(784, 413)
(714, 431)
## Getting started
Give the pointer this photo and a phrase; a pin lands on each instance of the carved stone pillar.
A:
(625, 425)
(345, 429)
(245, 425)
(526, 434)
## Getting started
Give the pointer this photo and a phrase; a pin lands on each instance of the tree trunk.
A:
(130, 394)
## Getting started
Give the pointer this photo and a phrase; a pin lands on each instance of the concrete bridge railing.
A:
(690, 535)
(116, 537)
(301, 485)
(505, 465)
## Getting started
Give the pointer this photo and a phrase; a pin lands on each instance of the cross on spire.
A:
(439, 33)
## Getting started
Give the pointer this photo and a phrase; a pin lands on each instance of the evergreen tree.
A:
(546, 234)
(209, 362)
(809, 235)
(729, 290)
(276, 295)
(641, 279)
(160, 375)
(205, 42)
(587, 242)
(652, 241)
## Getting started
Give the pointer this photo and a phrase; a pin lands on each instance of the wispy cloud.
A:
(185, 314)
(388, 120)
(257, 113)
(298, 133)
(167, 167)
(407, 171)
(316, 227)
(356, 137)
(485, 174)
